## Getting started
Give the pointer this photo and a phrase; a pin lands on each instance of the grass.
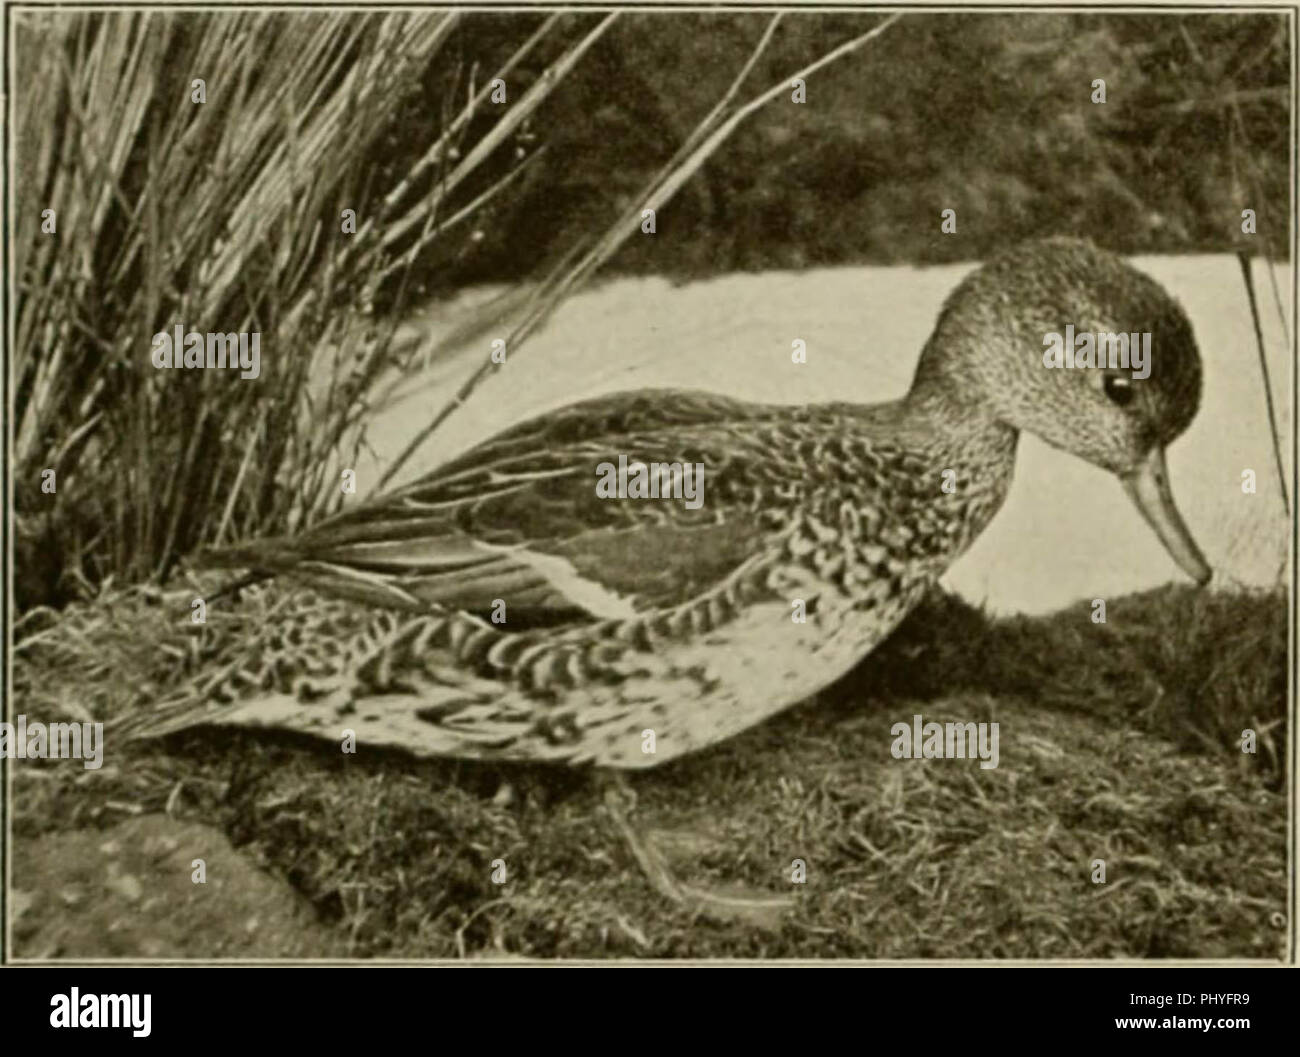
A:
(1133, 759)
(225, 215)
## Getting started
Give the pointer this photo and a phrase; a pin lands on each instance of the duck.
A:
(506, 607)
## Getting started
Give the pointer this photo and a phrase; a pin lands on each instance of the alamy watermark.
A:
(655, 480)
(76, 1010)
(946, 741)
(240, 350)
(55, 741)
(1101, 349)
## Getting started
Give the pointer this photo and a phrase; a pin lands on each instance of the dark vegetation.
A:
(987, 114)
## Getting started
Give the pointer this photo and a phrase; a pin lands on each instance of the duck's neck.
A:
(950, 376)
(965, 430)
(966, 439)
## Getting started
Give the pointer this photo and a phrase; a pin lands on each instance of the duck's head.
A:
(994, 349)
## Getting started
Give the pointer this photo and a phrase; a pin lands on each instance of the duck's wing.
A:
(518, 518)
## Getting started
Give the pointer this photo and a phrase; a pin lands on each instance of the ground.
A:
(1115, 745)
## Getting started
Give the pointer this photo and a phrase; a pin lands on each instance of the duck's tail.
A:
(172, 716)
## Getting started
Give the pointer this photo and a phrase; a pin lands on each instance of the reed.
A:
(224, 216)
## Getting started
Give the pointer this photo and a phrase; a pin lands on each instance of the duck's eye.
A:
(1119, 389)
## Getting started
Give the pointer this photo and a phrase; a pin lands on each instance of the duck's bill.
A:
(1148, 487)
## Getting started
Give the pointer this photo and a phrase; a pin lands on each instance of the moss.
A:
(1118, 743)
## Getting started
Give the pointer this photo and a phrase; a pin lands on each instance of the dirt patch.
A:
(130, 892)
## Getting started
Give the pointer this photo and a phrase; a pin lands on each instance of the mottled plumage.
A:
(628, 615)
